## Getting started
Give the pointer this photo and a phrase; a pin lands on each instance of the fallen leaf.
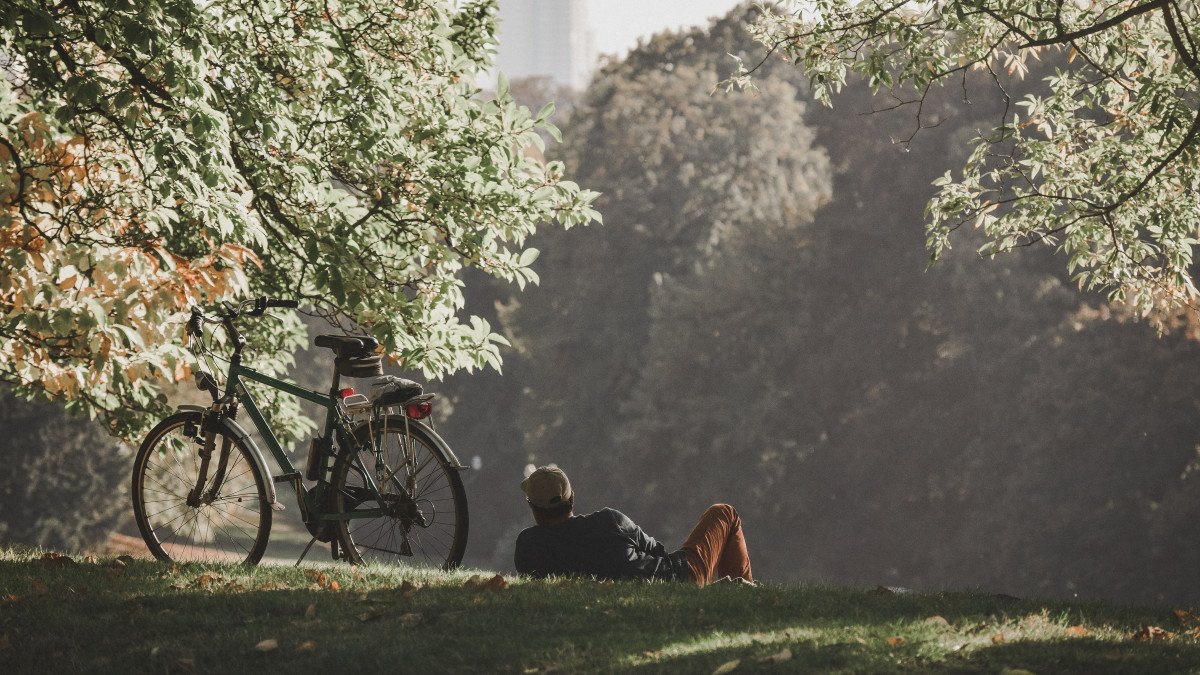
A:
(127, 559)
(409, 618)
(268, 645)
(355, 574)
(778, 657)
(186, 664)
(370, 615)
(998, 638)
(310, 612)
(306, 646)
(52, 559)
(1152, 634)
(204, 580)
(496, 583)
(333, 586)
(474, 581)
(859, 640)
(91, 560)
(408, 590)
(1077, 631)
(727, 667)
(895, 641)
(38, 587)
(322, 580)
(10, 599)
(937, 620)
(1185, 617)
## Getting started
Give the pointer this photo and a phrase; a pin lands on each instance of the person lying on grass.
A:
(608, 545)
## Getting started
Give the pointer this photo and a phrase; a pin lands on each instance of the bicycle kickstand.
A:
(305, 552)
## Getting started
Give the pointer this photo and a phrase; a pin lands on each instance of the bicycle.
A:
(386, 487)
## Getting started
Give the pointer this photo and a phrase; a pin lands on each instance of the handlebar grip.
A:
(285, 304)
(195, 323)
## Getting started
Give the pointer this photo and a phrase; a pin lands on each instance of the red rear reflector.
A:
(347, 392)
(419, 411)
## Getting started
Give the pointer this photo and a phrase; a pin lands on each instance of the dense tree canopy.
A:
(159, 154)
(1101, 157)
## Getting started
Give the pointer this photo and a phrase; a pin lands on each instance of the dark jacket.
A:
(605, 544)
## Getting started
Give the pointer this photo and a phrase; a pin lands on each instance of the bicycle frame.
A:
(234, 389)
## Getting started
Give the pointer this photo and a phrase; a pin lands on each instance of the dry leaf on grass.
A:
(1152, 634)
(127, 559)
(410, 618)
(998, 638)
(895, 641)
(370, 615)
(310, 612)
(778, 657)
(38, 587)
(727, 667)
(207, 579)
(1077, 631)
(268, 645)
(937, 620)
(306, 646)
(52, 559)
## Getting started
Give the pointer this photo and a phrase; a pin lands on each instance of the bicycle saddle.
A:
(348, 346)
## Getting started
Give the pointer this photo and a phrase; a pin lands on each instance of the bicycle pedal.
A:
(278, 506)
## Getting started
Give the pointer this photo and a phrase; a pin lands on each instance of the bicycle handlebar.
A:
(195, 324)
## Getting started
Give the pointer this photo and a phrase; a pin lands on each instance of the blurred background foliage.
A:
(755, 323)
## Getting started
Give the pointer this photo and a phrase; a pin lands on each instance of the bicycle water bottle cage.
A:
(390, 390)
(356, 355)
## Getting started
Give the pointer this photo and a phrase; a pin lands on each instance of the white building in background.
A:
(547, 38)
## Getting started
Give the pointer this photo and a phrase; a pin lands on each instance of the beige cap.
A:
(547, 487)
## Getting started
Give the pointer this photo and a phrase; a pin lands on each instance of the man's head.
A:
(549, 495)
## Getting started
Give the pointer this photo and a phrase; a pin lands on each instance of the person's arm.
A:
(644, 542)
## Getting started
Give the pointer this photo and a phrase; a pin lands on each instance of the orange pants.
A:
(716, 547)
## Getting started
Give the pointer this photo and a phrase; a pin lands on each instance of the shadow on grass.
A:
(148, 617)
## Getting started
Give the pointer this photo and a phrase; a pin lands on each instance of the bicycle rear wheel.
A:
(226, 519)
(422, 516)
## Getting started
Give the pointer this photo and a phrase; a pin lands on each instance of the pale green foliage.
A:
(1102, 160)
(155, 154)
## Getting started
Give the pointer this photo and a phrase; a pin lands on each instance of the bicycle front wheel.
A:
(399, 497)
(189, 510)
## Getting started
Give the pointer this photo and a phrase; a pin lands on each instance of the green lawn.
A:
(144, 616)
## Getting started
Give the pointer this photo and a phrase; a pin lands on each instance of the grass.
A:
(143, 616)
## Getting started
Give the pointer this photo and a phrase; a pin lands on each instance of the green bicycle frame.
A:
(235, 388)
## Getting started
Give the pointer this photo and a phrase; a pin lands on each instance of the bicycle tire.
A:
(233, 526)
(439, 499)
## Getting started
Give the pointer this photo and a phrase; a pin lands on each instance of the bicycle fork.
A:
(198, 495)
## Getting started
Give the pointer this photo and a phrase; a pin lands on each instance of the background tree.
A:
(66, 482)
(1100, 157)
(159, 154)
(875, 422)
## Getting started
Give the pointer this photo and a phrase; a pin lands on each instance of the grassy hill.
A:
(62, 613)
